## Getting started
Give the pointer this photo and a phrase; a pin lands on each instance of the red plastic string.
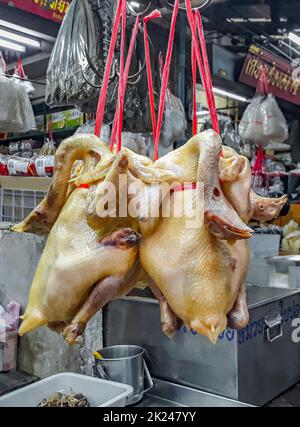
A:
(195, 41)
(259, 163)
(50, 129)
(125, 79)
(103, 92)
(121, 79)
(20, 70)
(262, 87)
(194, 74)
(213, 111)
(155, 14)
(165, 79)
(183, 187)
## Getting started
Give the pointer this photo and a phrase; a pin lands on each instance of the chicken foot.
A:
(88, 148)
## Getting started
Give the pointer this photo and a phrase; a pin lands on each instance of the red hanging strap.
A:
(103, 92)
(154, 15)
(121, 78)
(262, 87)
(193, 28)
(213, 111)
(125, 79)
(203, 66)
(194, 75)
(165, 79)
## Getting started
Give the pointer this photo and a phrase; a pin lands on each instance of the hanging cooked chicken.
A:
(86, 262)
(197, 273)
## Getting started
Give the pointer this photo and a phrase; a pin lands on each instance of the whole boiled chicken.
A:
(203, 278)
(87, 261)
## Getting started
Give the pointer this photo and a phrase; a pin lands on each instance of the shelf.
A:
(25, 183)
(58, 133)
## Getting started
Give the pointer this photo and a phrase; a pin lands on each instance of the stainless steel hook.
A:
(169, 5)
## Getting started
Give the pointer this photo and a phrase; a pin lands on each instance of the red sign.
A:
(49, 9)
(283, 78)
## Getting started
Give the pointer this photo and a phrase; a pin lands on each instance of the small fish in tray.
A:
(61, 400)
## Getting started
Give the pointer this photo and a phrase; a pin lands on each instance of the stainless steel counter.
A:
(166, 394)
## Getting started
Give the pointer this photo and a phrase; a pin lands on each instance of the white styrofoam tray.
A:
(98, 392)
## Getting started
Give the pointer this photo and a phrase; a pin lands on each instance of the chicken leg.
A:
(103, 292)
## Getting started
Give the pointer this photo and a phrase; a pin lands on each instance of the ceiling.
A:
(266, 22)
(41, 30)
(234, 24)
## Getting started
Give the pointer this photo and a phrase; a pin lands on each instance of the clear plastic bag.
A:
(175, 123)
(9, 322)
(263, 122)
(77, 49)
(28, 120)
(89, 127)
(10, 111)
(251, 124)
(228, 133)
(2, 64)
(274, 124)
(135, 142)
(48, 148)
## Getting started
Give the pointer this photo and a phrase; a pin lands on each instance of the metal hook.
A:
(143, 13)
(169, 5)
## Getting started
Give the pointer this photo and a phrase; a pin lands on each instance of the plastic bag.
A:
(78, 49)
(135, 142)
(44, 166)
(10, 109)
(28, 120)
(251, 124)
(89, 127)
(175, 123)
(3, 165)
(228, 134)
(273, 121)
(48, 148)
(19, 72)
(9, 321)
(2, 64)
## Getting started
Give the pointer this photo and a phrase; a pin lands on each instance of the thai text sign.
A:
(283, 78)
(54, 10)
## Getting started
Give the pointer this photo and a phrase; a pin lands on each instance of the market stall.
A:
(149, 203)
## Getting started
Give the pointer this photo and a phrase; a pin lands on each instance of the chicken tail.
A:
(31, 321)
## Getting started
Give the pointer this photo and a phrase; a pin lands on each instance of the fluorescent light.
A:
(12, 46)
(25, 30)
(229, 95)
(294, 38)
(236, 20)
(260, 19)
(20, 39)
